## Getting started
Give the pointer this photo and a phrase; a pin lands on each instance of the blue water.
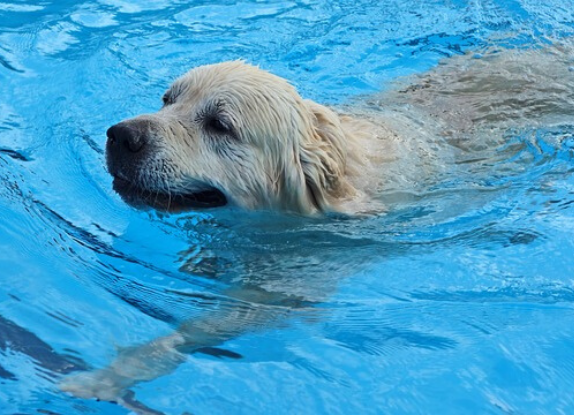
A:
(459, 301)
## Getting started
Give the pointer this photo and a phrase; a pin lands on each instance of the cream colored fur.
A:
(285, 153)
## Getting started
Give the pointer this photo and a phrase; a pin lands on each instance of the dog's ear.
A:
(323, 157)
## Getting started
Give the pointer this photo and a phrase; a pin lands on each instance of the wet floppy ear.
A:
(323, 156)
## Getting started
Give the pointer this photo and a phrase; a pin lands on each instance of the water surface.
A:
(459, 300)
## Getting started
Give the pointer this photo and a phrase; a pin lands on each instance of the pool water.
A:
(459, 300)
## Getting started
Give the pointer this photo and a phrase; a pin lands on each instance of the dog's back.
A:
(454, 121)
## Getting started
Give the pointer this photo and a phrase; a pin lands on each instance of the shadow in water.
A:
(19, 340)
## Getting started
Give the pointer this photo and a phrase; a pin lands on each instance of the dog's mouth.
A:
(139, 197)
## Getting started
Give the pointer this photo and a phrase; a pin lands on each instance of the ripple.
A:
(526, 297)
(94, 19)
(6, 64)
(57, 39)
(8, 59)
(20, 340)
(16, 155)
(372, 339)
(130, 7)
(19, 8)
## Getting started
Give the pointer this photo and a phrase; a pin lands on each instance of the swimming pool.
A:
(459, 301)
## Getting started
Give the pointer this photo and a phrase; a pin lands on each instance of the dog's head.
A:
(230, 133)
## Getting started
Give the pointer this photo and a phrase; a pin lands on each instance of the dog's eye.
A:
(167, 98)
(216, 125)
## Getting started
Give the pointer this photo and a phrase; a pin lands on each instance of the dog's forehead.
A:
(234, 79)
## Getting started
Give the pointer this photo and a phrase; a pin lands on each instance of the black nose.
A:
(127, 136)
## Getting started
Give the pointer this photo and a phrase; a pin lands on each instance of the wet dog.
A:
(234, 134)
(231, 133)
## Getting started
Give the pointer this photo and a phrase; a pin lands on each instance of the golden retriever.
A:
(233, 133)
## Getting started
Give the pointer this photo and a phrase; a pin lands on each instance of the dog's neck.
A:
(338, 160)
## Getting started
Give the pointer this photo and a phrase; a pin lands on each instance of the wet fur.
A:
(281, 152)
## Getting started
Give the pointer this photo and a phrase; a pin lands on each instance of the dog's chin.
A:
(140, 198)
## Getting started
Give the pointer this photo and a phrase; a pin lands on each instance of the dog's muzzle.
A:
(129, 150)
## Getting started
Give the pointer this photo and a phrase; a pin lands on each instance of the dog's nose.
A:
(126, 136)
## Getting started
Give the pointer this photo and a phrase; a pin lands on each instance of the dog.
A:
(234, 134)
